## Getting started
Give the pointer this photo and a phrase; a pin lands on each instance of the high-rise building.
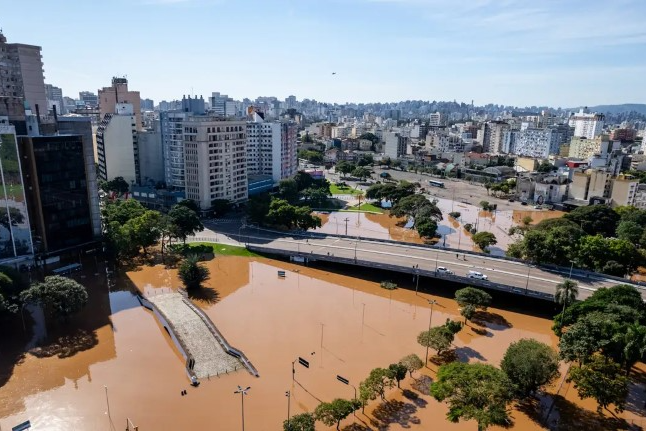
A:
(584, 148)
(395, 145)
(147, 105)
(193, 105)
(539, 143)
(222, 105)
(173, 147)
(15, 232)
(89, 99)
(586, 125)
(151, 155)
(21, 74)
(59, 191)
(110, 97)
(215, 160)
(271, 148)
(55, 98)
(117, 145)
(624, 190)
(491, 136)
(435, 119)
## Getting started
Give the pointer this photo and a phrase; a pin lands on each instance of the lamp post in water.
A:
(242, 393)
(430, 317)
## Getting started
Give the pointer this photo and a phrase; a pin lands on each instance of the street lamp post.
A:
(107, 400)
(242, 393)
(288, 394)
(437, 254)
(529, 268)
(571, 268)
(430, 318)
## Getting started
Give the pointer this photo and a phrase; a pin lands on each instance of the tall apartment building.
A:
(55, 98)
(539, 143)
(222, 105)
(21, 75)
(584, 148)
(147, 105)
(117, 145)
(173, 147)
(151, 155)
(215, 160)
(624, 190)
(15, 232)
(586, 125)
(590, 184)
(493, 136)
(110, 97)
(89, 99)
(60, 193)
(395, 145)
(271, 148)
(435, 119)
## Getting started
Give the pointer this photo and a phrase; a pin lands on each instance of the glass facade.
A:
(60, 193)
(15, 233)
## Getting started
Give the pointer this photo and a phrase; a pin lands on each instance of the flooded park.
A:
(115, 363)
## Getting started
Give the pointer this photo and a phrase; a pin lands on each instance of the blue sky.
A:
(552, 52)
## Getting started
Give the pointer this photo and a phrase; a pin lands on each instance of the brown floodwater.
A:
(380, 226)
(537, 216)
(342, 325)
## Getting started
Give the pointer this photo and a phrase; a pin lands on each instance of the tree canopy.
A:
(602, 380)
(300, 422)
(334, 412)
(484, 239)
(530, 365)
(474, 391)
(595, 219)
(184, 222)
(192, 273)
(60, 296)
(412, 363)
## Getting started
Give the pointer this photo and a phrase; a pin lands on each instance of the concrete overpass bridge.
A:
(420, 260)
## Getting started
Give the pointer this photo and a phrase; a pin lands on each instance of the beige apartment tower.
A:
(110, 97)
(215, 160)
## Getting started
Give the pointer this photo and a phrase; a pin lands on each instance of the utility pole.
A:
(430, 318)
(346, 220)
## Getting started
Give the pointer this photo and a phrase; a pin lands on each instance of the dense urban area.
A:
(143, 240)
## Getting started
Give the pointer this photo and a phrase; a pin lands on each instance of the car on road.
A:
(476, 275)
(523, 203)
(444, 270)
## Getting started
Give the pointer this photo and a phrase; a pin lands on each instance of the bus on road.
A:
(434, 183)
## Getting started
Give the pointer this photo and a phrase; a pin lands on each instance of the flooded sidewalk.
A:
(211, 359)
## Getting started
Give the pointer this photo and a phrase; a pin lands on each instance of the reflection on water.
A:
(342, 325)
(367, 225)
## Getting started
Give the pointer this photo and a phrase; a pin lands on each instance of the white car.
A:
(476, 274)
(444, 270)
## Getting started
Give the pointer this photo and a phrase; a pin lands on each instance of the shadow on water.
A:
(394, 412)
(491, 320)
(203, 294)
(465, 354)
(571, 417)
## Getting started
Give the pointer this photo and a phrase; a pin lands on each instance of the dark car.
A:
(511, 200)
(523, 203)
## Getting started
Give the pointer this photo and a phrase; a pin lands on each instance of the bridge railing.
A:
(405, 269)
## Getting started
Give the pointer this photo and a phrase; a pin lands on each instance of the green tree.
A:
(602, 380)
(361, 172)
(455, 214)
(590, 334)
(426, 228)
(438, 338)
(220, 206)
(566, 293)
(398, 372)
(530, 365)
(487, 186)
(334, 412)
(60, 296)
(117, 185)
(472, 296)
(190, 204)
(315, 196)
(192, 273)
(258, 207)
(474, 391)
(484, 239)
(595, 219)
(184, 222)
(288, 190)
(300, 422)
(485, 205)
(344, 167)
(412, 363)
(303, 180)
(144, 230)
(630, 231)
(121, 211)
(366, 160)
(397, 164)
(375, 385)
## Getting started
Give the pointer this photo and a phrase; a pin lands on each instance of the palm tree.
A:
(566, 293)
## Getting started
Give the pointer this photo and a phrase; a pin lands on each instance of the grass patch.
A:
(370, 207)
(341, 190)
(224, 249)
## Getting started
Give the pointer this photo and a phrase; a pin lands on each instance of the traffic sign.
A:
(303, 362)
(343, 380)
(22, 426)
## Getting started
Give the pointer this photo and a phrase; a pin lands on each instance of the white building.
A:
(395, 145)
(215, 160)
(117, 147)
(435, 119)
(586, 125)
(537, 143)
(271, 148)
(173, 147)
(640, 197)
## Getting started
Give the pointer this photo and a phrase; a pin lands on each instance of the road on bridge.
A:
(506, 272)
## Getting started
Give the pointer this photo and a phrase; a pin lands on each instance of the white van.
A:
(476, 274)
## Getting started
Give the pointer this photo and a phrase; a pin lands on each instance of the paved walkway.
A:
(210, 357)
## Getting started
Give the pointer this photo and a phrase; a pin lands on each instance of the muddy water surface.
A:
(341, 325)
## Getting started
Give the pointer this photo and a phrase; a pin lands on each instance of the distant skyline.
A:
(509, 52)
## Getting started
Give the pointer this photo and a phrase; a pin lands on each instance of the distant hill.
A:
(617, 109)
